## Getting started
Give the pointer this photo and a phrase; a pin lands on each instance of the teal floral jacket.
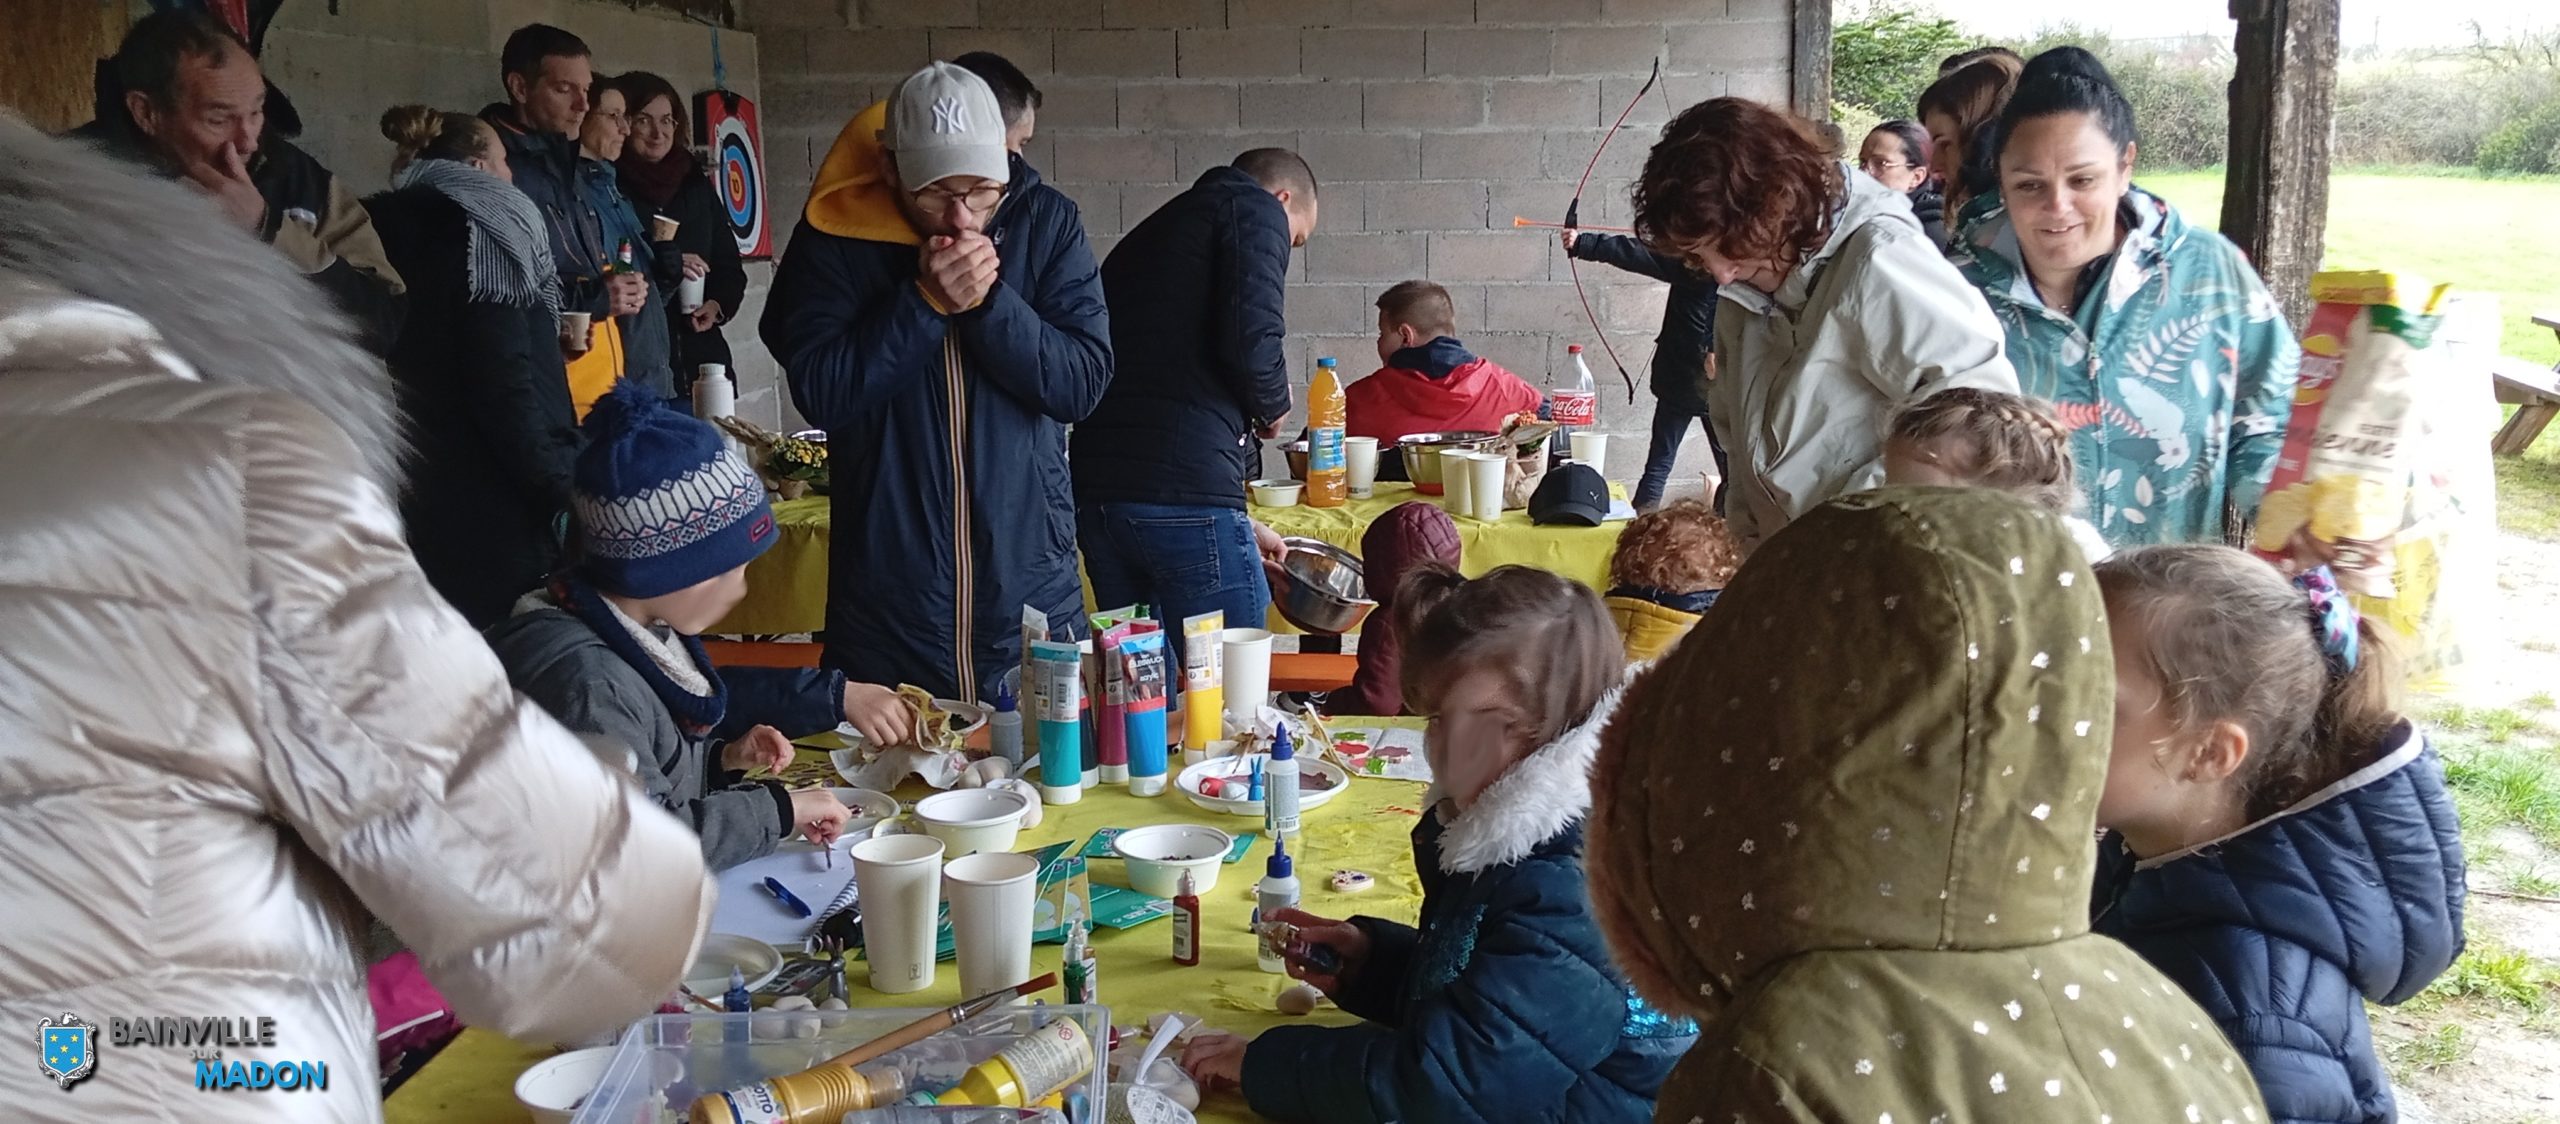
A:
(2176, 379)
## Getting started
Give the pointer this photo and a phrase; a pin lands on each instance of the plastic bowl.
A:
(554, 1089)
(1158, 855)
(1234, 772)
(970, 820)
(1276, 493)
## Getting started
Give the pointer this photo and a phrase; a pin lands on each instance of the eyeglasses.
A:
(1885, 165)
(666, 121)
(940, 201)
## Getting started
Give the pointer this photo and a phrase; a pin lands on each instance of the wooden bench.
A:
(1290, 671)
(2533, 390)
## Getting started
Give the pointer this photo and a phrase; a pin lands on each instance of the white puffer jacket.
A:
(1808, 377)
(234, 718)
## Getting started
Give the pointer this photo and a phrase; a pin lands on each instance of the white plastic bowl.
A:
(1157, 856)
(1276, 493)
(709, 976)
(553, 1089)
(970, 820)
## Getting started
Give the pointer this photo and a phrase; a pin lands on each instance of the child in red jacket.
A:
(1430, 382)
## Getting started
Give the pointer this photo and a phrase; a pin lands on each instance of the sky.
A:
(2396, 23)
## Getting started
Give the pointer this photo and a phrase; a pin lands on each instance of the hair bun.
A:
(2066, 62)
(412, 127)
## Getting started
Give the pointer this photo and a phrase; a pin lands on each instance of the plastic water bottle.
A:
(1572, 404)
(1328, 415)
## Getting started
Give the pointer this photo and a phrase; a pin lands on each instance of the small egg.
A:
(835, 1004)
(1299, 1000)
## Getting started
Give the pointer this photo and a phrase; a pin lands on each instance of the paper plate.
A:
(1242, 767)
(966, 719)
(709, 976)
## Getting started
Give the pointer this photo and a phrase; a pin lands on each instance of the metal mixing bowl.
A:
(1322, 589)
(1421, 451)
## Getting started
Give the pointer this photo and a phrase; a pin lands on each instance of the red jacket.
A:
(1475, 393)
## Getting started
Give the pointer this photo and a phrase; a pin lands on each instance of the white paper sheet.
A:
(747, 909)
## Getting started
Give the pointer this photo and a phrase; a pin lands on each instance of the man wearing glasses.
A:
(938, 313)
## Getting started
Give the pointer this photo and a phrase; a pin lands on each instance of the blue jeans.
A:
(1181, 561)
(1670, 426)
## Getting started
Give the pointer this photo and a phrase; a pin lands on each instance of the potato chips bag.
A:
(2344, 474)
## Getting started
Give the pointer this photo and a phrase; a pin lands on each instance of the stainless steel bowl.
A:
(1421, 452)
(1322, 589)
(1297, 455)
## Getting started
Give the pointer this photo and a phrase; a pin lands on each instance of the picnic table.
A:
(2534, 391)
(1366, 828)
(787, 585)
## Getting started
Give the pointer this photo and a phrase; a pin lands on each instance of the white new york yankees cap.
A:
(943, 122)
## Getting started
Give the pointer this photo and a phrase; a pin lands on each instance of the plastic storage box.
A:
(665, 1061)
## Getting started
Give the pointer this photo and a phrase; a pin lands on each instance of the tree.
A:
(1881, 61)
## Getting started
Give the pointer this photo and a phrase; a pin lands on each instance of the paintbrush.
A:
(707, 1005)
(940, 1021)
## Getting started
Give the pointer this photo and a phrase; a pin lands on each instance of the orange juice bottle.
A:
(1328, 479)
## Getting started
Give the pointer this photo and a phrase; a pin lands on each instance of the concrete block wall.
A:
(342, 70)
(1430, 123)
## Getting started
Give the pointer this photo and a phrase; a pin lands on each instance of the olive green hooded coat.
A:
(1849, 824)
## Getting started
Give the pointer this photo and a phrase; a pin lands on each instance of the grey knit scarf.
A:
(510, 254)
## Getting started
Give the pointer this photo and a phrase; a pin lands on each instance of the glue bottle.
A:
(1083, 985)
(1328, 414)
(1186, 923)
(1280, 788)
(1004, 730)
(1277, 891)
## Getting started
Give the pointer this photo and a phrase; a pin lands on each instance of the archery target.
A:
(737, 169)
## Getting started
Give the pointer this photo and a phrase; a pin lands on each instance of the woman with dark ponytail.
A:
(480, 373)
(2154, 339)
(2279, 838)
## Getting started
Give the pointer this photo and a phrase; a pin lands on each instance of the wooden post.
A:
(2275, 200)
(1809, 69)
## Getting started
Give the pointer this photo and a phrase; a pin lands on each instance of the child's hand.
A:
(819, 815)
(878, 712)
(760, 748)
(1345, 939)
(1215, 1062)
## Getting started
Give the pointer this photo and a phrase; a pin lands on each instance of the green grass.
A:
(2534, 882)
(2539, 701)
(2475, 233)
(2497, 975)
(2529, 490)
(2433, 1050)
(2504, 785)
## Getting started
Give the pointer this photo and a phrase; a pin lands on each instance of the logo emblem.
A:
(67, 1048)
(950, 115)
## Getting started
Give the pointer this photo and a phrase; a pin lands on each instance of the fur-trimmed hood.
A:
(227, 306)
(1541, 796)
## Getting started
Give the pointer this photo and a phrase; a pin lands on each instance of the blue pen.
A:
(798, 908)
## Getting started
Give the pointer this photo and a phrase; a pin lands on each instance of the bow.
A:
(1573, 218)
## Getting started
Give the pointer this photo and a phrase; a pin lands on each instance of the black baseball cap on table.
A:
(1573, 495)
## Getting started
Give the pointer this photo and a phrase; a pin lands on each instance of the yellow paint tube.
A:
(1203, 679)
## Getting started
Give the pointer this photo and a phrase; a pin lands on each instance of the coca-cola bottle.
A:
(1573, 404)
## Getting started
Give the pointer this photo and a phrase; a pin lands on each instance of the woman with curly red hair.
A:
(1838, 308)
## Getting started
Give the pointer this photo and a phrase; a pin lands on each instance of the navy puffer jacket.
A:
(1504, 1005)
(2283, 932)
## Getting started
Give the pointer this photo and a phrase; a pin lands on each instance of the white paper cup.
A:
(577, 332)
(689, 293)
(1592, 449)
(1248, 670)
(991, 896)
(1360, 456)
(713, 395)
(663, 229)
(900, 886)
(1454, 480)
(1484, 485)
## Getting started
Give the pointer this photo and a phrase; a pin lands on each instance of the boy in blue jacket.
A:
(939, 314)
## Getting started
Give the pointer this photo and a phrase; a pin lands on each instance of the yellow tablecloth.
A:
(787, 587)
(1366, 828)
(1580, 553)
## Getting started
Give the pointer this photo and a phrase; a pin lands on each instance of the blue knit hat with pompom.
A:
(662, 502)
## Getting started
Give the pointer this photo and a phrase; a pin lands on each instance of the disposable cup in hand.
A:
(575, 329)
(899, 883)
(689, 298)
(1360, 456)
(662, 228)
(1484, 485)
(1454, 479)
(991, 896)
(1248, 673)
(1591, 449)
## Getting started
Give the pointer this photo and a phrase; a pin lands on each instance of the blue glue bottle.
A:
(1280, 789)
(737, 1001)
(1004, 731)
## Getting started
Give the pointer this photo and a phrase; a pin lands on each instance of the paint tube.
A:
(1111, 734)
(1058, 687)
(1143, 667)
(1035, 628)
(1203, 679)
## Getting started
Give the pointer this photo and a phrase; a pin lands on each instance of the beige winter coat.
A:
(234, 718)
(1809, 376)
